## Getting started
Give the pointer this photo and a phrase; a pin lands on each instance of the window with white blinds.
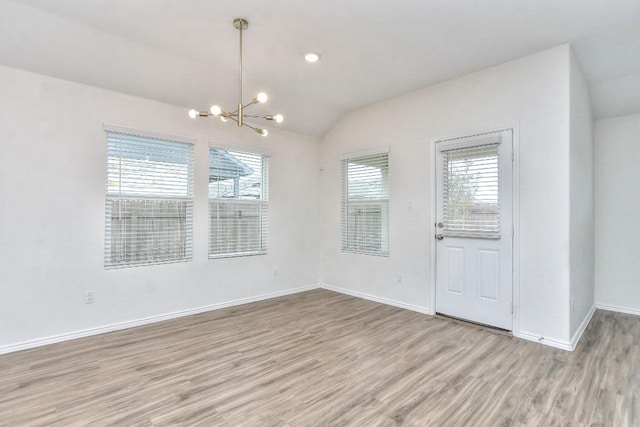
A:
(149, 200)
(238, 203)
(471, 191)
(365, 204)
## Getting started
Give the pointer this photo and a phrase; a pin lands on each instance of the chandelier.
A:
(239, 115)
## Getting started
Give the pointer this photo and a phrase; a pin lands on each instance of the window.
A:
(149, 200)
(365, 204)
(238, 194)
(471, 191)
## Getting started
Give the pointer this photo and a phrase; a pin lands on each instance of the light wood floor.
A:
(321, 358)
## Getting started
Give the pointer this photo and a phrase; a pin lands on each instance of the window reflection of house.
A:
(225, 173)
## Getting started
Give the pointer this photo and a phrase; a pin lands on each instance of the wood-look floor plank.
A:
(321, 358)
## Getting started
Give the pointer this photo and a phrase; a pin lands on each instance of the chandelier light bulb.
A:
(193, 114)
(224, 119)
(278, 118)
(262, 97)
(312, 57)
(216, 110)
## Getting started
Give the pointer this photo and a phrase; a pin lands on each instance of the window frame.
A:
(261, 205)
(485, 147)
(358, 245)
(118, 135)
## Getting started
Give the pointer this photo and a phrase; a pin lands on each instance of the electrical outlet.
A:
(88, 297)
(400, 278)
(275, 271)
(573, 304)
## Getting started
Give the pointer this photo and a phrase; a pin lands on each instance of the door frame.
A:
(515, 207)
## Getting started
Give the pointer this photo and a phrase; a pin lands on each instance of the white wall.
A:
(52, 184)
(617, 210)
(581, 199)
(52, 165)
(532, 92)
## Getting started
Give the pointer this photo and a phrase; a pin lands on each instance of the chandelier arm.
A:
(255, 101)
(261, 131)
(266, 117)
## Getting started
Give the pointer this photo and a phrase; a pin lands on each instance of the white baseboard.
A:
(152, 319)
(564, 345)
(625, 310)
(583, 326)
(374, 298)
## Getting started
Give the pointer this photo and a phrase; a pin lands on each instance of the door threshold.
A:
(483, 326)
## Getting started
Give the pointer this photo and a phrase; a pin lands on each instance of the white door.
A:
(474, 228)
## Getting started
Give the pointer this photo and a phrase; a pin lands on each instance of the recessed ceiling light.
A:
(312, 57)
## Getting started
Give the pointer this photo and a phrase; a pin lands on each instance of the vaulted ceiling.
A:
(185, 52)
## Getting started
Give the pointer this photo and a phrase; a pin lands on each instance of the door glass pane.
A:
(471, 192)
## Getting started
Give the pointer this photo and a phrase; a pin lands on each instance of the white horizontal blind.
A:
(238, 203)
(471, 191)
(149, 201)
(365, 205)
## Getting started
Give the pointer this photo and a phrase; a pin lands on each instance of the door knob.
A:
(439, 236)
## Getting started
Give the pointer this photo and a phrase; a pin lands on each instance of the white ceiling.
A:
(185, 52)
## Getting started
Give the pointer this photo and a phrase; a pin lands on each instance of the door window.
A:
(471, 192)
